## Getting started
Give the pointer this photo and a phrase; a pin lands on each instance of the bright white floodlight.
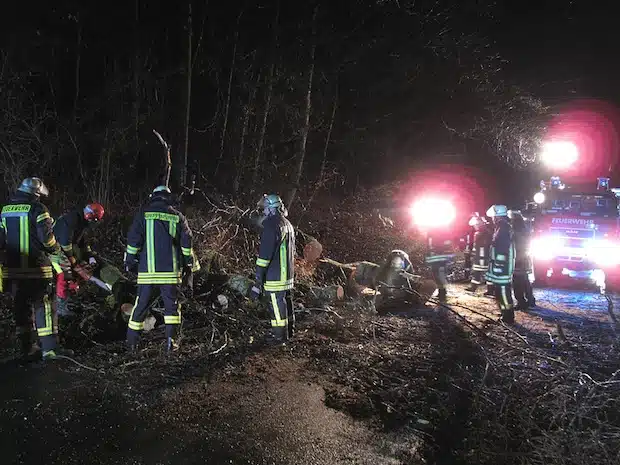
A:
(539, 197)
(559, 154)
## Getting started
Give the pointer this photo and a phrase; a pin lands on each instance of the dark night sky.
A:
(558, 50)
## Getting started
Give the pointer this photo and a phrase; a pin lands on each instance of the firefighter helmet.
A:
(271, 201)
(34, 186)
(497, 210)
(162, 189)
(399, 259)
(93, 212)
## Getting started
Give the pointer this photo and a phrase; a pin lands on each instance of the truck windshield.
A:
(592, 205)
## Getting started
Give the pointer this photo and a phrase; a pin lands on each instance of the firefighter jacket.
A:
(481, 249)
(440, 247)
(161, 242)
(70, 231)
(29, 240)
(276, 256)
(502, 257)
(523, 262)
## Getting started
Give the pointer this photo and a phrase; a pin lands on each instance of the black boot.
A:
(291, 325)
(508, 316)
(443, 296)
(276, 336)
(490, 292)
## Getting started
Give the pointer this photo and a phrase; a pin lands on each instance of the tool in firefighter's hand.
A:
(101, 284)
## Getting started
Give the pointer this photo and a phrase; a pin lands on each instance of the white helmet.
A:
(497, 210)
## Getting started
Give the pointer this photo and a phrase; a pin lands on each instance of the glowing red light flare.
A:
(432, 212)
(559, 154)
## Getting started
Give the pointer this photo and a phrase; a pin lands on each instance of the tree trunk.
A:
(326, 295)
(78, 63)
(270, 79)
(188, 95)
(240, 166)
(136, 83)
(228, 95)
(320, 181)
(308, 110)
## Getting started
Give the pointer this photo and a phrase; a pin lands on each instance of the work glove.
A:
(92, 261)
(255, 292)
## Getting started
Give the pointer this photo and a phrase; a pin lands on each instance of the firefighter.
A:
(159, 246)
(30, 249)
(440, 248)
(523, 265)
(70, 231)
(480, 251)
(391, 273)
(275, 268)
(502, 261)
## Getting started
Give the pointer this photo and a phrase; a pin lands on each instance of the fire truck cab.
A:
(575, 233)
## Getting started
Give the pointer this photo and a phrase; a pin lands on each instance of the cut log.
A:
(364, 273)
(312, 250)
(240, 284)
(326, 295)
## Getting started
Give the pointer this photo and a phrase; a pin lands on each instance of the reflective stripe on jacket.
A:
(161, 241)
(275, 265)
(69, 230)
(440, 248)
(481, 250)
(502, 257)
(29, 239)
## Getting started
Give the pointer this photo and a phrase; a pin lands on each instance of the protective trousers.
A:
(33, 297)
(172, 310)
(503, 297)
(523, 290)
(438, 270)
(282, 314)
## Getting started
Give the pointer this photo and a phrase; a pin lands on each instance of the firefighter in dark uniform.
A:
(440, 252)
(159, 246)
(502, 261)
(275, 268)
(30, 249)
(481, 245)
(523, 264)
(70, 230)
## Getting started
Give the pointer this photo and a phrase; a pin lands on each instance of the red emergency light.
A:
(432, 212)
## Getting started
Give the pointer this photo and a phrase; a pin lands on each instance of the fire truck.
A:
(575, 233)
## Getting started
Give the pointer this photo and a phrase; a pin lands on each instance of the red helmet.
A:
(93, 212)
